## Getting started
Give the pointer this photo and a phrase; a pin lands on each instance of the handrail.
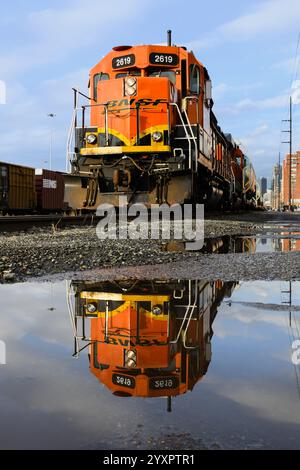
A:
(188, 314)
(191, 130)
(186, 126)
(69, 141)
(186, 133)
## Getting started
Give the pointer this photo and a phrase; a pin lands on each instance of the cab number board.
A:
(163, 383)
(123, 61)
(123, 380)
(159, 58)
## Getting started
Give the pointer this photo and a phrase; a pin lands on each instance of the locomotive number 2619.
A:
(123, 61)
(163, 59)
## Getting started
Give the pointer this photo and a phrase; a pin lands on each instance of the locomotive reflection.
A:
(146, 338)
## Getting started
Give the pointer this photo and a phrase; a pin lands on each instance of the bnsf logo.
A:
(140, 102)
(142, 342)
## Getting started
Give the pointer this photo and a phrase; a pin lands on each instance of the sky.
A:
(249, 49)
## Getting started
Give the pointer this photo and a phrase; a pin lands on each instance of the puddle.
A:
(150, 364)
(267, 243)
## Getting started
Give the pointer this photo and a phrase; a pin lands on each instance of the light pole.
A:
(290, 142)
(51, 115)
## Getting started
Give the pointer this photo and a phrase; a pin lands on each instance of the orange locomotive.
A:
(149, 338)
(148, 132)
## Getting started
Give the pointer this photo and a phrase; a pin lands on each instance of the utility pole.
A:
(279, 182)
(51, 115)
(290, 141)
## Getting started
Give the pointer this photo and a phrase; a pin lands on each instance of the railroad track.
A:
(21, 222)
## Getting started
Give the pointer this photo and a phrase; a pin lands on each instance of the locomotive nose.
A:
(135, 112)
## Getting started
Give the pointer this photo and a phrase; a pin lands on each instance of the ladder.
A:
(188, 137)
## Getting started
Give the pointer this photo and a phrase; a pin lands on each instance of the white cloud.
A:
(224, 89)
(53, 34)
(220, 90)
(50, 38)
(264, 399)
(288, 65)
(279, 101)
(271, 16)
(268, 17)
(295, 91)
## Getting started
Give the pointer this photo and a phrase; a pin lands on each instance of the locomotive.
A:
(147, 130)
(147, 338)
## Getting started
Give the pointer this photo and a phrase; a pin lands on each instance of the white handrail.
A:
(186, 133)
(193, 139)
(69, 151)
(188, 315)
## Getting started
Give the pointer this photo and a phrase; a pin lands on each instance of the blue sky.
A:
(248, 48)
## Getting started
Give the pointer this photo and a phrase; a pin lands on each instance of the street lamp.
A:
(51, 115)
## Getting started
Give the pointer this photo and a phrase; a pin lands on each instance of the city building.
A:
(268, 199)
(277, 173)
(295, 180)
(263, 185)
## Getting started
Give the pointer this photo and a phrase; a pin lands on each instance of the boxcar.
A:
(17, 188)
(49, 187)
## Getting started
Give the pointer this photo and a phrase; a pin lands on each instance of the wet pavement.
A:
(217, 355)
(142, 345)
(256, 245)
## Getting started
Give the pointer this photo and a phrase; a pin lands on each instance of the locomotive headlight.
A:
(157, 136)
(130, 358)
(131, 363)
(91, 139)
(157, 310)
(130, 90)
(131, 354)
(130, 86)
(130, 81)
(91, 308)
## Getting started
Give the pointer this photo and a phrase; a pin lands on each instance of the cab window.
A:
(194, 79)
(136, 73)
(170, 74)
(97, 78)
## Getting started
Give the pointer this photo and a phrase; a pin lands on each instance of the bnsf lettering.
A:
(141, 342)
(112, 103)
(123, 103)
(141, 102)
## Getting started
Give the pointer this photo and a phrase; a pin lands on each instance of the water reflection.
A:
(225, 244)
(147, 338)
(269, 243)
(248, 396)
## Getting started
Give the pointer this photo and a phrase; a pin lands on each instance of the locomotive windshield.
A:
(97, 78)
(156, 72)
(136, 73)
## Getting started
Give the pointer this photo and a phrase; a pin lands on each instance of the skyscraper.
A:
(263, 185)
(295, 180)
(277, 170)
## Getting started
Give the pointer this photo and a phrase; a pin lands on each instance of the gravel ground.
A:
(44, 252)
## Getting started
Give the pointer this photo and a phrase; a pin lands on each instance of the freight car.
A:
(17, 189)
(26, 190)
(50, 190)
(148, 132)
